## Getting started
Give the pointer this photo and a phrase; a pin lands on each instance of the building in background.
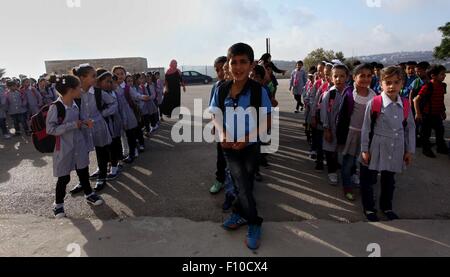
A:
(133, 64)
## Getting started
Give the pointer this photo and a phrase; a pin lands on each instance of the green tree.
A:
(321, 54)
(442, 51)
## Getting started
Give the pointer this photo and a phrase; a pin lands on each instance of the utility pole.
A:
(268, 45)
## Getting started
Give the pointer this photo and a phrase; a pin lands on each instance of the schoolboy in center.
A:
(241, 150)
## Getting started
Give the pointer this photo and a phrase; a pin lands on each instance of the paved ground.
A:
(172, 181)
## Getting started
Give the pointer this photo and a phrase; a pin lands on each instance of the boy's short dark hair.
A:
(411, 63)
(220, 60)
(260, 71)
(435, 69)
(423, 65)
(361, 67)
(241, 49)
(379, 66)
(300, 62)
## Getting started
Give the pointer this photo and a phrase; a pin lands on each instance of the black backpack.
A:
(255, 97)
(43, 142)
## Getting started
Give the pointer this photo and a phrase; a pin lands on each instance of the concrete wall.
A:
(132, 65)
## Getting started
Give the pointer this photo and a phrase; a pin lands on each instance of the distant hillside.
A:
(386, 59)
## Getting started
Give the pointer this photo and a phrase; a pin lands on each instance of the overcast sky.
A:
(195, 32)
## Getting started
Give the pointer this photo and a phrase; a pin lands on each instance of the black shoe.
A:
(429, 153)
(59, 213)
(94, 175)
(372, 216)
(100, 185)
(128, 160)
(76, 189)
(391, 215)
(94, 200)
(296, 111)
(319, 166)
(229, 199)
(258, 177)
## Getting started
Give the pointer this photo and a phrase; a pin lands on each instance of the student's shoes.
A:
(297, 111)
(59, 212)
(119, 168)
(128, 160)
(313, 155)
(372, 216)
(229, 199)
(258, 177)
(77, 189)
(253, 240)
(355, 180)
(391, 215)
(333, 179)
(147, 134)
(302, 109)
(141, 149)
(100, 185)
(154, 129)
(350, 196)
(319, 166)
(427, 152)
(95, 175)
(112, 177)
(234, 222)
(216, 187)
(94, 200)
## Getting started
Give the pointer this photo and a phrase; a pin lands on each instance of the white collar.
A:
(387, 101)
(74, 105)
(91, 90)
(123, 85)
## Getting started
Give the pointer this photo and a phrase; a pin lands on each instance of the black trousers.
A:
(332, 161)
(145, 122)
(103, 157)
(154, 119)
(369, 178)
(221, 164)
(431, 122)
(83, 176)
(317, 144)
(298, 98)
(131, 138)
(242, 165)
(116, 151)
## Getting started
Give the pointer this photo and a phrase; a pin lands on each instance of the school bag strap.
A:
(61, 111)
(255, 96)
(98, 99)
(376, 111)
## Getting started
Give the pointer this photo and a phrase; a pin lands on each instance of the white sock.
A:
(113, 170)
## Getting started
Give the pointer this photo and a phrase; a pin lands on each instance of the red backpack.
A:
(43, 142)
(377, 104)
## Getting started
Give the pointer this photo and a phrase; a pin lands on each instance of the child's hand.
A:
(408, 157)
(79, 124)
(418, 118)
(366, 157)
(89, 123)
(328, 136)
(146, 98)
(226, 145)
(239, 145)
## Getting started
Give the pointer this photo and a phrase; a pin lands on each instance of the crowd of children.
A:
(363, 123)
(87, 110)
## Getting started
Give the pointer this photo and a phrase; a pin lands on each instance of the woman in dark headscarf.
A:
(173, 84)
